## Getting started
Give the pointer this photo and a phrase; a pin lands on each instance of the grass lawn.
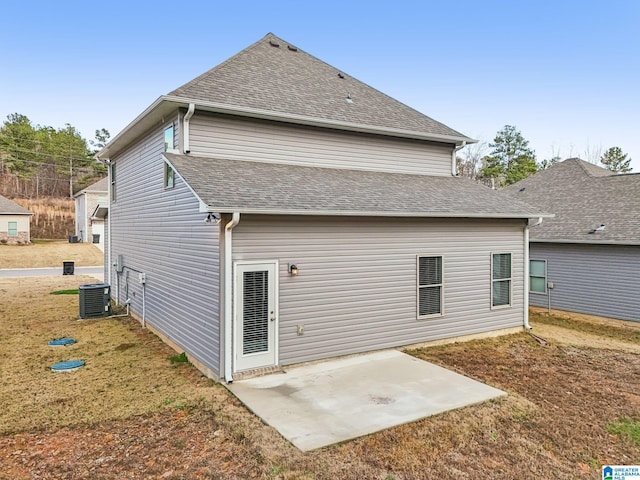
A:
(50, 253)
(132, 412)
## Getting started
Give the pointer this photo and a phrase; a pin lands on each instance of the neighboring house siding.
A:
(247, 139)
(22, 232)
(81, 217)
(160, 232)
(601, 280)
(356, 288)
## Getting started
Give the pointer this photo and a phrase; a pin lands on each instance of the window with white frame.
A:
(12, 229)
(169, 176)
(169, 140)
(430, 286)
(538, 276)
(500, 279)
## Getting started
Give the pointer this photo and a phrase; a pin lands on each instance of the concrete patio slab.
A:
(323, 403)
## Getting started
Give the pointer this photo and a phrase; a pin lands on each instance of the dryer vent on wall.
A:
(95, 300)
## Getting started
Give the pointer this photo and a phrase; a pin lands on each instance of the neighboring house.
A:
(90, 226)
(590, 251)
(276, 210)
(15, 223)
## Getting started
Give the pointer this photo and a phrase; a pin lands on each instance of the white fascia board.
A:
(319, 122)
(363, 213)
(585, 242)
(167, 104)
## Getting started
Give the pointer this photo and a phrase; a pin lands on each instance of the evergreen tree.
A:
(616, 161)
(510, 159)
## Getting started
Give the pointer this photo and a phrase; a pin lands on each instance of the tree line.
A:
(510, 160)
(42, 161)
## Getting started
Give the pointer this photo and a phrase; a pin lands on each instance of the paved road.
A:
(97, 272)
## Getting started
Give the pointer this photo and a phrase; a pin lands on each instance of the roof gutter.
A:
(166, 105)
(228, 296)
(454, 163)
(526, 324)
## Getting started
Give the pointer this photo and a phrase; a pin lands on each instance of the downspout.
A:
(107, 162)
(228, 296)
(185, 129)
(526, 271)
(454, 166)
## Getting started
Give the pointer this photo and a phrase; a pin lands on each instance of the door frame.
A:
(276, 322)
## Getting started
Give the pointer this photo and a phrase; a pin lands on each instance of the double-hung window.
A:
(12, 229)
(430, 287)
(501, 280)
(538, 276)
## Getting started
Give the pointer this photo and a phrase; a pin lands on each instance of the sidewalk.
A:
(97, 272)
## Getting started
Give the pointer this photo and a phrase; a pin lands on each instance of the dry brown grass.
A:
(130, 413)
(49, 254)
(127, 370)
(52, 218)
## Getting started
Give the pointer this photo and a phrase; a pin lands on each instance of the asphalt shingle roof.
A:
(286, 80)
(256, 187)
(583, 196)
(101, 185)
(12, 208)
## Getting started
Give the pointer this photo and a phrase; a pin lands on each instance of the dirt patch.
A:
(50, 254)
(555, 422)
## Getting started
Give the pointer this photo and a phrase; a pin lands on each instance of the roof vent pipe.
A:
(185, 122)
(454, 166)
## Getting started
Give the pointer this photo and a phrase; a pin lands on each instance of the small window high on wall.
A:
(538, 276)
(169, 140)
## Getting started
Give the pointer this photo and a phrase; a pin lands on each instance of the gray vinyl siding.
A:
(601, 280)
(356, 288)
(246, 139)
(160, 232)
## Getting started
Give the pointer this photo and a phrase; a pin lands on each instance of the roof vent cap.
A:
(273, 43)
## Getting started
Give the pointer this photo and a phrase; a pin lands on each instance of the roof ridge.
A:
(195, 81)
(303, 86)
(583, 165)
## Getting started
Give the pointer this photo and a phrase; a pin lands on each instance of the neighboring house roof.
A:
(284, 83)
(256, 187)
(583, 196)
(101, 186)
(7, 207)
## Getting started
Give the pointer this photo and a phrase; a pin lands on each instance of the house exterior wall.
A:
(160, 233)
(255, 140)
(24, 229)
(86, 204)
(601, 280)
(356, 290)
(81, 216)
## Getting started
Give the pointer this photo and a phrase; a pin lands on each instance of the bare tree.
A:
(470, 159)
(592, 154)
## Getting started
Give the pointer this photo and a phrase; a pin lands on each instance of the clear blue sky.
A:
(565, 73)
